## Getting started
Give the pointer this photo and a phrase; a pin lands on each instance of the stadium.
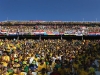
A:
(49, 47)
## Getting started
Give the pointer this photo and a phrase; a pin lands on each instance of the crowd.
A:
(53, 29)
(57, 57)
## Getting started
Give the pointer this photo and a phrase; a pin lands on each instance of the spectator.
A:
(55, 72)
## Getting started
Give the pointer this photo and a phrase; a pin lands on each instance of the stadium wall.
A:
(67, 37)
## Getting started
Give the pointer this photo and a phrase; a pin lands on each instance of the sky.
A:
(50, 10)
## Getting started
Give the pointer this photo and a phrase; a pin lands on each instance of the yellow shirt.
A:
(22, 73)
(16, 65)
(6, 73)
(15, 74)
(83, 72)
(62, 71)
(6, 58)
(1, 43)
(20, 58)
(0, 70)
(68, 70)
(75, 66)
(73, 56)
(41, 66)
(53, 64)
(36, 59)
(5, 64)
(14, 48)
(39, 73)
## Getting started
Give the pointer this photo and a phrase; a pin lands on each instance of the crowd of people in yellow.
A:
(59, 57)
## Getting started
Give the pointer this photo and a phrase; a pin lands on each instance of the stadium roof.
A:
(48, 22)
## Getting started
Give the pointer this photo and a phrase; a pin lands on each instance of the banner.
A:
(21, 33)
(92, 34)
(56, 33)
(98, 33)
(79, 33)
(12, 33)
(3, 32)
(61, 33)
(71, 32)
(83, 27)
(49, 33)
(39, 32)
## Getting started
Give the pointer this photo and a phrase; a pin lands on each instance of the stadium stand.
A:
(50, 28)
(49, 56)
